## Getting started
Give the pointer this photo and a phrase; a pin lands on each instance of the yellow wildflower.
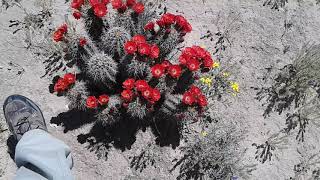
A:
(202, 79)
(235, 86)
(216, 64)
(226, 74)
(206, 80)
(204, 133)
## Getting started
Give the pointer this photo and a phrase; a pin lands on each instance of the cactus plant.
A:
(113, 41)
(122, 64)
(77, 96)
(101, 68)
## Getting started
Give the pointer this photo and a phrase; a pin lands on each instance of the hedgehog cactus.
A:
(113, 41)
(78, 95)
(101, 68)
(123, 62)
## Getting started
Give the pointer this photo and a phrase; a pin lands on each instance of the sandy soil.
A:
(255, 38)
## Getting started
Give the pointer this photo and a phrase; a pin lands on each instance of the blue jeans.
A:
(40, 156)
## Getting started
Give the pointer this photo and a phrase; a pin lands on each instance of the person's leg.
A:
(38, 154)
(39, 151)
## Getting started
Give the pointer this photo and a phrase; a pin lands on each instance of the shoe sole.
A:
(26, 100)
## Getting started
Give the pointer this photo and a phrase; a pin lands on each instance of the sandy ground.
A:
(255, 38)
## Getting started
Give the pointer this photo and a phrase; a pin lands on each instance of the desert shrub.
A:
(148, 156)
(265, 151)
(214, 155)
(275, 4)
(296, 89)
(309, 165)
(5, 4)
(35, 25)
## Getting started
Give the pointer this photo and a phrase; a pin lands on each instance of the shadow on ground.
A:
(73, 119)
(120, 135)
(11, 143)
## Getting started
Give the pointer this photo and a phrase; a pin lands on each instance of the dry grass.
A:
(296, 90)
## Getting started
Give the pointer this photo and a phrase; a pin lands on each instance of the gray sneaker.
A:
(22, 115)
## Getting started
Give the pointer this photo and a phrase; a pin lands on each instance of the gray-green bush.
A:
(215, 156)
(296, 89)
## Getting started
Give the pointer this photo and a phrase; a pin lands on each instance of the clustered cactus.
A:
(123, 64)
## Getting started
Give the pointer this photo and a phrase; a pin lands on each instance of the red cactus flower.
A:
(61, 85)
(138, 8)
(105, 2)
(189, 51)
(130, 47)
(166, 64)
(117, 4)
(123, 8)
(168, 18)
(155, 51)
(76, 4)
(175, 71)
(69, 78)
(103, 99)
(200, 52)
(77, 15)
(193, 64)
(144, 49)
(82, 41)
(183, 24)
(125, 105)
(202, 101)
(127, 95)
(59, 33)
(141, 85)
(93, 3)
(92, 102)
(168, 31)
(131, 3)
(181, 21)
(208, 62)
(147, 93)
(183, 59)
(195, 91)
(58, 36)
(157, 70)
(187, 28)
(139, 39)
(128, 84)
(161, 22)
(149, 26)
(63, 28)
(188, 98)
(156, 95)
(100, 10)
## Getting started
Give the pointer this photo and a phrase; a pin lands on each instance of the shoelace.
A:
(24, 125)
